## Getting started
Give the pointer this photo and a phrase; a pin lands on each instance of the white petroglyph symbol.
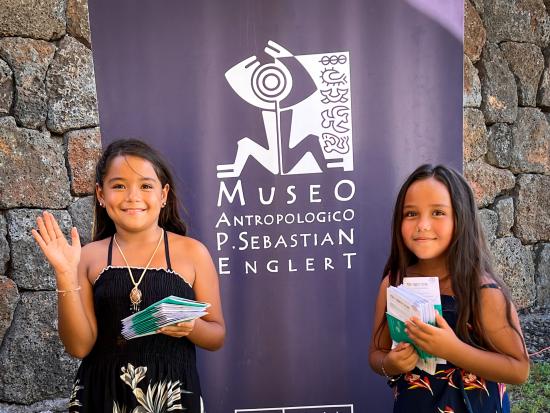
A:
(305, 103)
(342, 408)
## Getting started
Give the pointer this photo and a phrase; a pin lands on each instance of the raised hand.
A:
(63, 257)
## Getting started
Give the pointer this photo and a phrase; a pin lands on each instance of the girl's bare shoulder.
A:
(189, 256)
(182, 244)
(94, 256)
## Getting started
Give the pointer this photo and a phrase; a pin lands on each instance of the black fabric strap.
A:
(110, 252)
(167, 251)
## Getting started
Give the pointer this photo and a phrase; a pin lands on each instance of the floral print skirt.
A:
(450, 390)
(136, 386)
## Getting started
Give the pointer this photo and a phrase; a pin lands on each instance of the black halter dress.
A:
(155, 373)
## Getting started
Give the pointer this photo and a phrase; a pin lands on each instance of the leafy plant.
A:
(534, 395)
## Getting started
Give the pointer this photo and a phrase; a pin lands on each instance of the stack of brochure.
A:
(169, 310)
(417, 296)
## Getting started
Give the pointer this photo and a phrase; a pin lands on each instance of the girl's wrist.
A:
(66, 279)
(66, 271)
(390, 377)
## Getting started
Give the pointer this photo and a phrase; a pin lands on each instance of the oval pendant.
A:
(135, 296)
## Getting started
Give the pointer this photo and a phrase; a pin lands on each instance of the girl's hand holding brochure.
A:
(431, 339)
(173, 316)
(417, 299)
(402, 358)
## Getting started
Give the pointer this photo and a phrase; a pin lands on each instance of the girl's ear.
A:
(99, 194)
(165, 191)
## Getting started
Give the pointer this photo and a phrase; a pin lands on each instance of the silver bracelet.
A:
(65, 292)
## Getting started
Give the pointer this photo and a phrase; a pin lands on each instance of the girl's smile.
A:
(134, 211)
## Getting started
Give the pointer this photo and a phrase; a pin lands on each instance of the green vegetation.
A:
(534, 395)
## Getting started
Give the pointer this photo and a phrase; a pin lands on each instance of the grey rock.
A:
(71, 89)
(474, 32)
(527, 63)
(8, 122)
(46, 406)
(499, 145)
(4, 246)
(9, 296)
(499, 99)
(29, 59)
(40, 19)
(514, 264)
(478, 4)
(542, 274)
(30, 270)
(33, 363)
(530, 142)
(504, 207)
(32, 168)
(516, 20)
(474, 133)
(543, 96)
(83, 152)
(471, 93)
(535, 323)
(78, 24)
(6, 88)
(532, 212)
(487, 181)
(489, 222)
(81, 212)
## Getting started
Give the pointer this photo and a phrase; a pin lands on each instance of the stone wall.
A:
(49, 141)
(507, 137)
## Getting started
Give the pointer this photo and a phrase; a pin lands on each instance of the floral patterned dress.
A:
(451, 389)
(154, 373)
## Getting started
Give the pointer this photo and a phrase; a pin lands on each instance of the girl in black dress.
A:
(139, 255)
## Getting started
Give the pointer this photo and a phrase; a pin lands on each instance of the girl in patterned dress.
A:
(436, 232)
(139, 255)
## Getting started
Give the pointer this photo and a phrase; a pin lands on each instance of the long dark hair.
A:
(169, 218)
(468, 256)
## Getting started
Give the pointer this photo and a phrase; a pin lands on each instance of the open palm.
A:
(63, 257)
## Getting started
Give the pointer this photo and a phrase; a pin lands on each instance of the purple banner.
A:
(290, 125)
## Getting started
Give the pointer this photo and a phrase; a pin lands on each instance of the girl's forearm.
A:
(209, 335)
(75, 329)
(489, 365)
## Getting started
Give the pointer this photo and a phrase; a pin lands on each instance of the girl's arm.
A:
(510, 364)
(401, 359)
(208, 331)
(77, 324)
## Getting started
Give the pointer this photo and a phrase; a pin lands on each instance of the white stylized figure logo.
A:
(306, 114)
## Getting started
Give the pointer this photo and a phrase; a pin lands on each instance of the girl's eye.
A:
(439, 213)
(147, 186)
(118, 186)
(408, 214)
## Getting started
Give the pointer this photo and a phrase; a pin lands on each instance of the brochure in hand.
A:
(417, 296)
(169, 310)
